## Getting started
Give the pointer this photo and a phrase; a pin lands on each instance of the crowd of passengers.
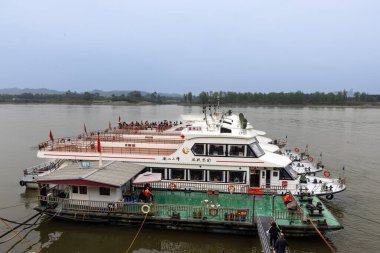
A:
(158, 125)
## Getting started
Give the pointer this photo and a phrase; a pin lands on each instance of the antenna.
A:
(205, 113)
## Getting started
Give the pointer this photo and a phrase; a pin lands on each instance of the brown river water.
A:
(347, 137)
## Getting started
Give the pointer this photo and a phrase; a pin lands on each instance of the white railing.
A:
(188, 212)
(199, 186)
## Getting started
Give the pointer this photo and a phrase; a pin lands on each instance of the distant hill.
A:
(126, 92)
(115, 92)
(18, 91)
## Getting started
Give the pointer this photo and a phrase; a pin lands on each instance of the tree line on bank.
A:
(281, 98)
(233, 98)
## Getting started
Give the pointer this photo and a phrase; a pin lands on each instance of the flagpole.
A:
(100, 160)
(100, 152)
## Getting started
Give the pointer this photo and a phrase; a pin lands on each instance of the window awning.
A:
(147, 177)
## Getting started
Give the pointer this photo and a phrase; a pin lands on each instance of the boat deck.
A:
(223, 212)
(228, 203)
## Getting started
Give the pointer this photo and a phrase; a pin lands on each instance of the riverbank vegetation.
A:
(340, 98)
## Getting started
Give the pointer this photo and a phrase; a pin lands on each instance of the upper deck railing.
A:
(121, 138)
(199, 186)
(87, 143)
(91, 148)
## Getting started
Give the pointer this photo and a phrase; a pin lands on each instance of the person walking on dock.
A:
(281, 244)
(273, 234)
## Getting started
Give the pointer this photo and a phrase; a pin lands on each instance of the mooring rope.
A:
(7, 207)
(18, 234)
(138, 232)
(28, 226)
(12, 229)
(323, 237)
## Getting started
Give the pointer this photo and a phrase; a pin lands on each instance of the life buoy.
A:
(145, 209)
(172, 186)
(310, 159)
(326, 173)
(231, 188)
(330, 196)
(296, 150)
(287, 199)
(111, 206)
(213, 212)
(22, 183)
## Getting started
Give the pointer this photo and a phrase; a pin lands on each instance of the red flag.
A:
(85, 129)
(51, 136)
(119, 118)
(99, 147)
(109, 125)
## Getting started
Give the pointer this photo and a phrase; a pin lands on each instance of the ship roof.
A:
(113, 174)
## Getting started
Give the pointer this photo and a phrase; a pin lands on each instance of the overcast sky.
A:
(191, 45)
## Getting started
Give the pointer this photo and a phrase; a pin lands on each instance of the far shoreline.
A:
(145, 103)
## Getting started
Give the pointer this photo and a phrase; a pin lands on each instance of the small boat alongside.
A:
(324, 186)
(31, 174)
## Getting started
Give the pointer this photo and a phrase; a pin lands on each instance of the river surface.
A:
(347, 137)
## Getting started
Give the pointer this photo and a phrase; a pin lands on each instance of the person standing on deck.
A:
(148, 194)
(273, 234)
(281, 244)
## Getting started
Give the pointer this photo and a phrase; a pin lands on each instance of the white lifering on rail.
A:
(145, 209)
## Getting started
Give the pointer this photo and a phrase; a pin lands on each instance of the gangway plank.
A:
(263, 225)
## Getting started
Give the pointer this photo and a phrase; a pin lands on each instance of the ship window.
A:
(82, 189)
(199, 149)
(250, 152)
(257, 149)
(227, 121)
(225, 130)
(236, 177)
(291, 172)
(284, 175)
(178, 174)
(196, 175)
(104, 191)
(236, 150)
(216, 149)
(216, 176)
(275, 174)
(74, 189)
